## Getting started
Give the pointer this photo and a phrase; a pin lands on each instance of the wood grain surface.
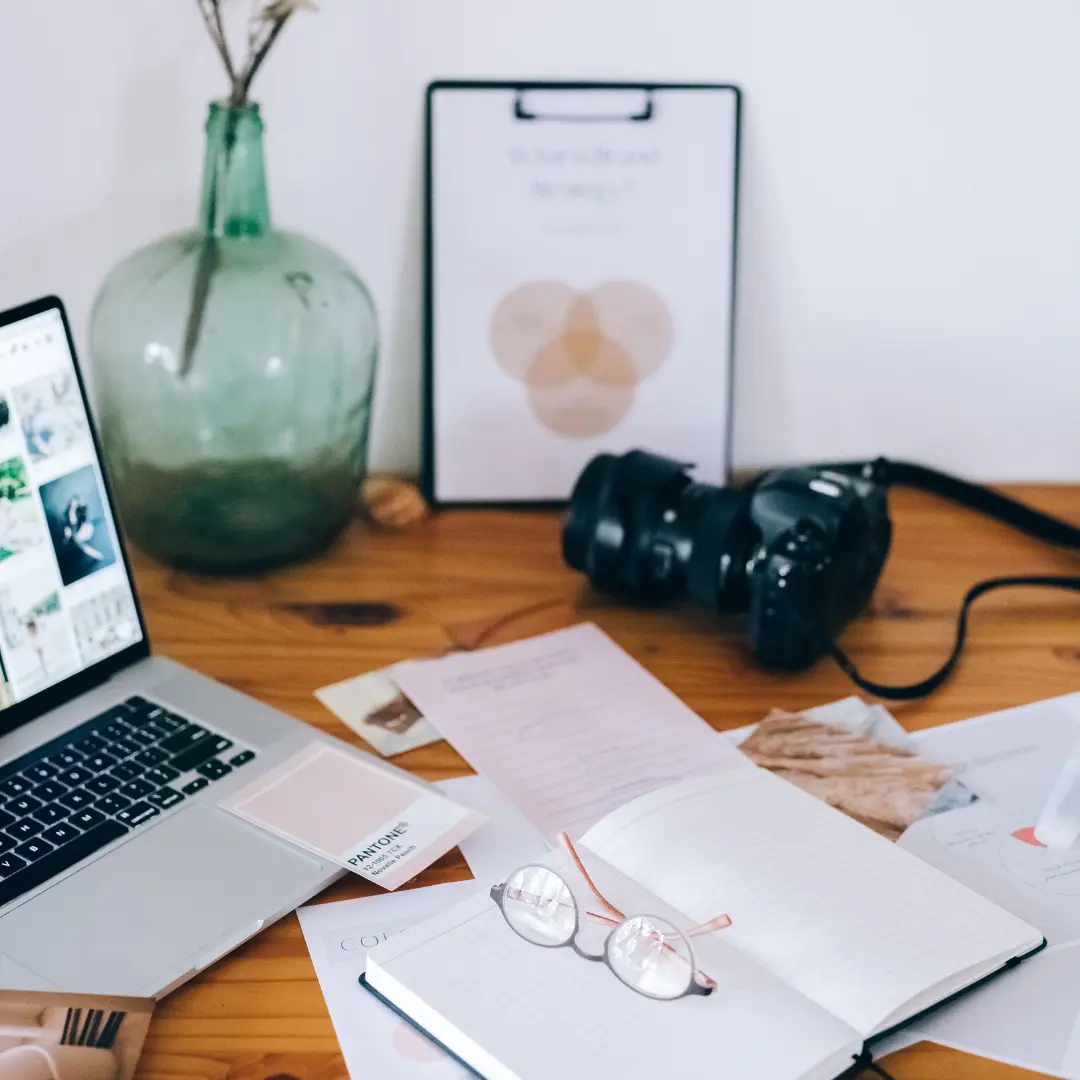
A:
(380, 597)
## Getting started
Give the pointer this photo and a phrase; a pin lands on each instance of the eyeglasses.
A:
(647, 953)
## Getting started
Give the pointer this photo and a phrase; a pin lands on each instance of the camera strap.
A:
(977, 497)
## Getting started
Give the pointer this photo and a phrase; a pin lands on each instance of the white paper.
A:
(893, 1044)
(1030, 1017)
(505, 841)
(375, 1041)
(572, 312)
(1010, 760)
(1026, 1018)
(566, 725)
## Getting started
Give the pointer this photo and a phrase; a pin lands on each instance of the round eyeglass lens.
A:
(539, 906)
(651, 956)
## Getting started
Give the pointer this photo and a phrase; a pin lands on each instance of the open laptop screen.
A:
(66, 599)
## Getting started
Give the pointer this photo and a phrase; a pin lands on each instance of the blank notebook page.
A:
(518, 1010)
(567, 725)
(836, 911)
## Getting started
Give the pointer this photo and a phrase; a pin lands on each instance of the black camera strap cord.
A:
(975, 497)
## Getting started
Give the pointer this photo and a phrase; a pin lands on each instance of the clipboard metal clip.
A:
(523, 110)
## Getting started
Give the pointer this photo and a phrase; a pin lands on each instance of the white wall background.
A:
(910, 274)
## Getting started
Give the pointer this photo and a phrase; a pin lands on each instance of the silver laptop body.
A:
(119, 873)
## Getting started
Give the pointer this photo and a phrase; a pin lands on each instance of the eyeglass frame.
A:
(702, 988)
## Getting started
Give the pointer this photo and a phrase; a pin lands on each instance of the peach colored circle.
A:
(634, 316)
(566, 359)
(526, 320)
(581, 408)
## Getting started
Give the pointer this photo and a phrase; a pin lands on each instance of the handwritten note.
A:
(566, 725)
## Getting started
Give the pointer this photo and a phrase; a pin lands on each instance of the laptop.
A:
(119, 873)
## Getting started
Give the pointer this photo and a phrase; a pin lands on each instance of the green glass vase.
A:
(233, 374)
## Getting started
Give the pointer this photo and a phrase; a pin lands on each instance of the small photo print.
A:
(75, 513)
(37, 645)
(57, 1036)
(20, 522)
(51, 412)
(105, 624)
(379, 712)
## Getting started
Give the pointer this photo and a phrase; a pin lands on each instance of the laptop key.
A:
(203, 750)
(137, 703)
(23, 805)
(124, 747)
(144, 737)
(34, 849)
(126, 771)
(137, 814)
(161, 775)
(114, 730)
(137, 789)
(64, 759)
(170, 721)
(242, 758)
(117, 714)
(195, 785)
(14, 785)
(10, 863)
(112, 804)
(60, 834)
(138, 715)
(90, 745)
(154, 756)
(6, 819)
(25, 829)
(100, 762)
(75, 777)
(77, 799)
(214, 769)
(40, 770)
(185, 737)
(87, 819)
(51, 814)
(48, 791)
(166, 797)
(7, 842)
(102, 785)
(58, 861)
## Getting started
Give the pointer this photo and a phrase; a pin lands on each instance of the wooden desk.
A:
(259, 1013)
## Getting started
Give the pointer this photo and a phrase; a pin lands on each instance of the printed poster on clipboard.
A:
(580, 247)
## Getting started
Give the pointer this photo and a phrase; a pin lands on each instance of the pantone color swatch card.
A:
(371, 819)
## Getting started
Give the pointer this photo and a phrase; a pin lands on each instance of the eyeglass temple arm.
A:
(721, 922)
(568, 844)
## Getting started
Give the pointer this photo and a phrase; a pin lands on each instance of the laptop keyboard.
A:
(70, 797)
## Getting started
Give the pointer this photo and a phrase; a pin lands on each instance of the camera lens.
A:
(641, 528)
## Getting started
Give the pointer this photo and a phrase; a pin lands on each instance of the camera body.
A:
(798, 551)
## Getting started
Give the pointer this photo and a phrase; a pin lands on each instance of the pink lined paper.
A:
(566, 725)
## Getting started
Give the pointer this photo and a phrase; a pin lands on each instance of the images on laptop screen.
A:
(66, 601)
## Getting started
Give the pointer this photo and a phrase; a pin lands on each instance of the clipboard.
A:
(579, 282)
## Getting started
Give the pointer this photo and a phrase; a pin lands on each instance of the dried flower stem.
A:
(268, 19)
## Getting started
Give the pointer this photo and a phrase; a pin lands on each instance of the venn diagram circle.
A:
(581, 355)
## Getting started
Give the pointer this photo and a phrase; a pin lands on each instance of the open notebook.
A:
(837, 936)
